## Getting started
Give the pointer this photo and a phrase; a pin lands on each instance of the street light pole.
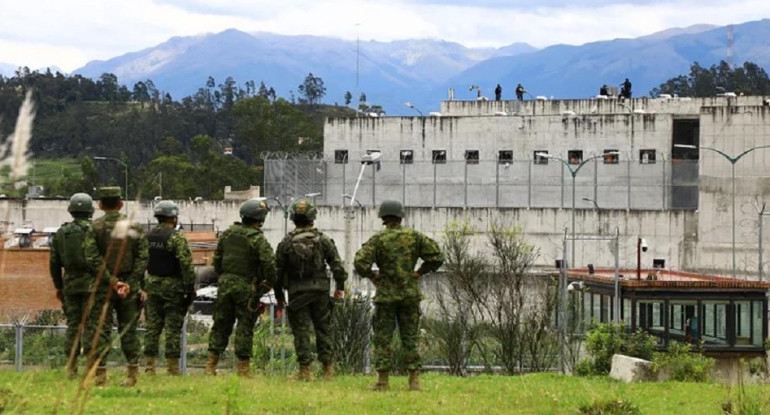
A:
(366, 159)
(125, 167)
(574, 173)
(732, 161)
(410, 105)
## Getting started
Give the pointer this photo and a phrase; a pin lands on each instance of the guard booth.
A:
(725, 314)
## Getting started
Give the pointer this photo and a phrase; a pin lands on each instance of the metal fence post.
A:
(665, 182)
(19, 347)
(596, 181)
(183, 343)
(759, 245)
(629, 184)
(497, 184)
(283, 330)
(465, 186)
(272, 335)
(325, 185)
(434, 183)
(374, 184)
(562, 185)
(529, 184)
(344, 165)
(403, 183)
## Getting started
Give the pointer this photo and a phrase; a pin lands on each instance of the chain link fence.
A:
(630, 184)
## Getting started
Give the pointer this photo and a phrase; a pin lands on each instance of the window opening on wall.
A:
(611, 156)
(439, 157)
(340, 156)
(407, 156)
(472, 156)
(647, 156)
(575, 156)
(505, 156)
(540, 159)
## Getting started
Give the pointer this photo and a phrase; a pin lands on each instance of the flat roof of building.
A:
(665, 279)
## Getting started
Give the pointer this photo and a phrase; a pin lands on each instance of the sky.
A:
(69, 33)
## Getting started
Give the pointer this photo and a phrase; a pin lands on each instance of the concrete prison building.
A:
(640, 170)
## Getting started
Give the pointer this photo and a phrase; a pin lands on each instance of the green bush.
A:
(351, 333)
(608, 339)
(610, 407)
(684, 364)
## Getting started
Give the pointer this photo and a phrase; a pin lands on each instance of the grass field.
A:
(46, 392)
(47, 169)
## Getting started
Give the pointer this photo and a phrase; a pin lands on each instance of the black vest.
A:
(163, 262)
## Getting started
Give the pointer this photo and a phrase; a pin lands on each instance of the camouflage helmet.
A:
(302, 209)
(391, 208)
(166, 209)
(81, 203)
(255, 209)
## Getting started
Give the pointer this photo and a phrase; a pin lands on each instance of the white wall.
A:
(666, 232)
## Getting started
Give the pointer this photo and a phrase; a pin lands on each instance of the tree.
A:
(719, 78)
(312, 89)
(140, 92)
(263, 92)
(362, 98)
(348, 97)
(90, 174)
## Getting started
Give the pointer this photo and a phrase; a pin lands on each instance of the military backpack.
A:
(70, 244)
(306, 248)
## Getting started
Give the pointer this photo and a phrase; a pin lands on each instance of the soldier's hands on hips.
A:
(339, 294)
(122, 289)
(416, 275)
(142, 296)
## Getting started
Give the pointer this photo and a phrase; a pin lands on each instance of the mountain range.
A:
(421, 71)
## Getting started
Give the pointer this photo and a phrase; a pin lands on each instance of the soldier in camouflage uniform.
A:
(245, 265)
(125, 250)
(395, 250)
(74, 248)
(170, 287)
(301, 260)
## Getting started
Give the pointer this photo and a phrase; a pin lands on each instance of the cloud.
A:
(71, 33)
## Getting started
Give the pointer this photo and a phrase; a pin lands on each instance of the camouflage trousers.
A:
(74, 306)
(308, 312)
(127, 312)
(161, 314)
(230, 306)
(405, 314)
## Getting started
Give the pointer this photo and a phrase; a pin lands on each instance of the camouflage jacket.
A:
(76, 280)
(255, 261)
(396, 250)
(290, 266)
(132, 254)
(176, 284)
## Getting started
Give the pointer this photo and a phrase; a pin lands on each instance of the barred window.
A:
(340, 156)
